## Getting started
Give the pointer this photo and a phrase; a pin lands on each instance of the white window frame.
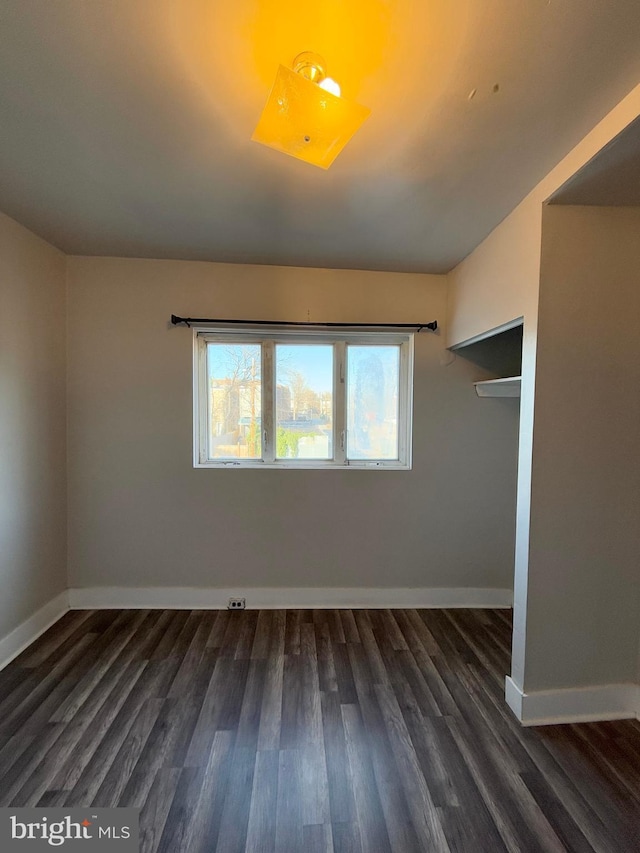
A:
(268, 340)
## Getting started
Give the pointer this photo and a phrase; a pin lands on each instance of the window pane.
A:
(304, 401)
(373, 378)
(235, 393)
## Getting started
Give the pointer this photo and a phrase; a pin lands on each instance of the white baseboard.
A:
(180, 598)
(186, 598)
(575, 705)
(25, 634)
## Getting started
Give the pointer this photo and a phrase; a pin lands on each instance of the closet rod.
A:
(188, 321)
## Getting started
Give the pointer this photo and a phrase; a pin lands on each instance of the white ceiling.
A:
(125, 124)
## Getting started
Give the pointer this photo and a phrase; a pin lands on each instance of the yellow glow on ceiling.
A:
(397, 57)
(353, 37)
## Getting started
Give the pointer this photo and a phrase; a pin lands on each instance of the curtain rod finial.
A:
(177, 321)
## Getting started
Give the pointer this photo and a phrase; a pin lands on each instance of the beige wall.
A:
(500, 281)
(32, 424)
(140, 515)
(583, 608)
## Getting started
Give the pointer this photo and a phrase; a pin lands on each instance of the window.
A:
(302, 399)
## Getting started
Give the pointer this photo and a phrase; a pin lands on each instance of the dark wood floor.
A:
(308, 731)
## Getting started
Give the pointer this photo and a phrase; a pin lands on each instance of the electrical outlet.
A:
(236, 604)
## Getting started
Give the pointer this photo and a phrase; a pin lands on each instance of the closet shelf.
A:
(508, 387)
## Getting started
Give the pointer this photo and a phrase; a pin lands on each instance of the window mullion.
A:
(340, 402)
(268, 402)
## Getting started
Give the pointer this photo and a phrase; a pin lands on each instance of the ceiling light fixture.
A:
(306, 116)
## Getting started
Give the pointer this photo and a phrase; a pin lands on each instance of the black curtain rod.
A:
(187, 321)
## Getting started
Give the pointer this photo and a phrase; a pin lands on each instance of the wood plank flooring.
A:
(364, 731)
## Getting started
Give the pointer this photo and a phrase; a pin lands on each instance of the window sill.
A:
(307, 465)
